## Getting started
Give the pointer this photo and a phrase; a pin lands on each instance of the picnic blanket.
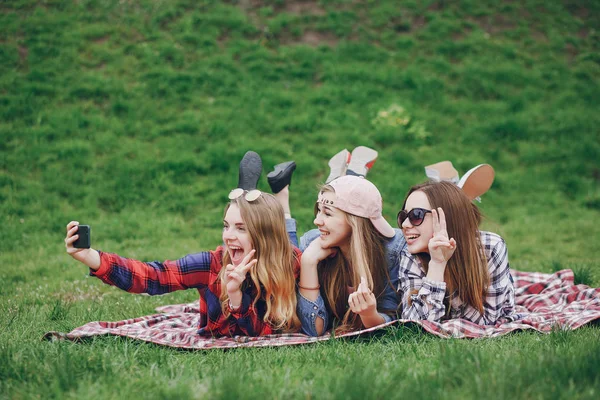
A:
(546, 301)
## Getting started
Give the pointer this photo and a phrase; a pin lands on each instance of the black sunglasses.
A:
(416, 216)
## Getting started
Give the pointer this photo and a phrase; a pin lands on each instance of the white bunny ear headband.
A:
(474, 183)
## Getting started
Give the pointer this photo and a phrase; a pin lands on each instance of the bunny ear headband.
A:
(474, 183)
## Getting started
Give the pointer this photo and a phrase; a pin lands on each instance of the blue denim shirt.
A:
(308, 310)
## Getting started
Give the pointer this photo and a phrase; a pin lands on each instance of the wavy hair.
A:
(466, 271)
(340, 273)
(272, 278)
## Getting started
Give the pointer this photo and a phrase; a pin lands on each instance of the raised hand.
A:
(72, 236)
(89, 257)
(235, 275)
(363, 301)
(441, 248)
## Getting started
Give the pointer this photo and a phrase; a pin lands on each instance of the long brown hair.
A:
(272, 277)
(466, 271)
(337, 274)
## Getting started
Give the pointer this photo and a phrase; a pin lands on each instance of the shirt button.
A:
(312, 314)
(315, 307)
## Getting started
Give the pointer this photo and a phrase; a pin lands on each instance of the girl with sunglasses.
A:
(246, 286)
(350, 263)
(449, 268)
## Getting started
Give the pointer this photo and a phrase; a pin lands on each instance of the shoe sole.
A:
(477, 181)
(338, 165)
(250, 170)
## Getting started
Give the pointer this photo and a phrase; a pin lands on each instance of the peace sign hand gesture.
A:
(235, 275)
(440, 247)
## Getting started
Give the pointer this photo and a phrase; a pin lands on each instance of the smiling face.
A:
(235, 235)
(417, 237)
(332, 223)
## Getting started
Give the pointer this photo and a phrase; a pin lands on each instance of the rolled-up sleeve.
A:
(309, 311)
(290, 227)
(386, 318)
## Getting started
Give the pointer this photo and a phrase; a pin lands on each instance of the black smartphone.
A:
(84, 240)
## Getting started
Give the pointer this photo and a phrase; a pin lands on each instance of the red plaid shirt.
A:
(200, 271)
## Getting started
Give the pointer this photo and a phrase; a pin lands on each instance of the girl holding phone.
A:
(247, 286)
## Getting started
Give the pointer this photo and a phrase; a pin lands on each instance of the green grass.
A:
(132, 116)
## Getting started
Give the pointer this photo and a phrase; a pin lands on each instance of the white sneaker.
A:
(338, 165)
(361, 161)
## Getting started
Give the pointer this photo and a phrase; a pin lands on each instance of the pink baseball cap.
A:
(357, 196)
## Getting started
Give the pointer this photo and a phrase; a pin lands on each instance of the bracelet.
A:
(231, 307)
(309, 288)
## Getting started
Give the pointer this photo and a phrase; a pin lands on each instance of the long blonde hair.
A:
(466, 271)
(337, 274)
(272, 278)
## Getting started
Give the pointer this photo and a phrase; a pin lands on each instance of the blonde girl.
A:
(350, 262)
(247, 286)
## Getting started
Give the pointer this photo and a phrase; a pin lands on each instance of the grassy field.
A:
(132, 116)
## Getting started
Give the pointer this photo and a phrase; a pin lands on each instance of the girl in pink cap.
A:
(350, 262)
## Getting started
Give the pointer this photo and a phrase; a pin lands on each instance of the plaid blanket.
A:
(545, 301)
